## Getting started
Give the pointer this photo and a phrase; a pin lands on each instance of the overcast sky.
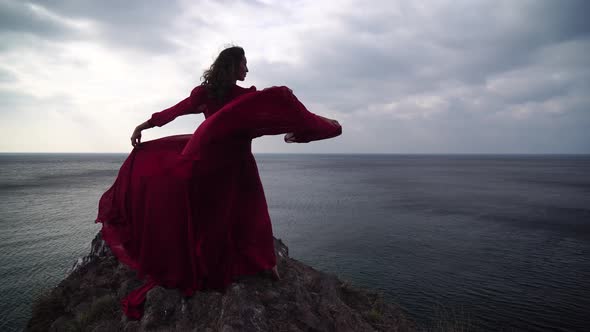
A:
(400, 76)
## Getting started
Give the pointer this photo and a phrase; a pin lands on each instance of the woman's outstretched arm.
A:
(189, 105)
(271, 111)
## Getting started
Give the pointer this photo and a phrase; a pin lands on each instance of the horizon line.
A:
(349, 153)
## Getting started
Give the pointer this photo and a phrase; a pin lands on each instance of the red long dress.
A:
(189, 211)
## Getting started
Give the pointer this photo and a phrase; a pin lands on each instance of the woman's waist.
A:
(227, 149)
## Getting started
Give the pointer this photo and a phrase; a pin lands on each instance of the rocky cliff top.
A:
(303, 300)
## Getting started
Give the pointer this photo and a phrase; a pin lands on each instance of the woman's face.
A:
(242, 69)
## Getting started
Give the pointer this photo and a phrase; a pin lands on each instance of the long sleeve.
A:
(271, 111)
(290, 115)
(189, 105)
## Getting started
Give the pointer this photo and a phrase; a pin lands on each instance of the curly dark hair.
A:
(219, 77)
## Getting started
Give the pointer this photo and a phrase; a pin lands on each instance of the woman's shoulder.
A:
(203, 87)
(250, 89)
(199, 89)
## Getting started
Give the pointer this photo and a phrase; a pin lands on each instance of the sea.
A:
(487, 242)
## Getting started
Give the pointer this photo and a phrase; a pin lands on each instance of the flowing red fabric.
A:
(189, 211)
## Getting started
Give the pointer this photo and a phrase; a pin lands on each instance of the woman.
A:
(189, 211)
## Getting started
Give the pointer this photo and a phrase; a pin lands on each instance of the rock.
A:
(162, 307)
(303, 300)
(106, 326)
(62, 323)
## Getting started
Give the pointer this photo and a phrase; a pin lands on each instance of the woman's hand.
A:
(136, 137)
(290, 138)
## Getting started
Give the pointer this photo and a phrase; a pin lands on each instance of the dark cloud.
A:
(20, 17)
(394, 53)
(135, 23)
(510, 76)
(143, 25)
(503, 36)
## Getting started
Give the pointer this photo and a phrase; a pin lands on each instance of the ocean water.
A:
(500, 241)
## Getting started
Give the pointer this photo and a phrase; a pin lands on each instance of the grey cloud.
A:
(537, 50)
(464, 131)
(10, 101)
(143, 25)
(123, 13)
(19, 17)
(471, 40)
(16, 104)
(468, 43)
(505, 35)
(16, 101)
(561, 20)
(6, 76)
